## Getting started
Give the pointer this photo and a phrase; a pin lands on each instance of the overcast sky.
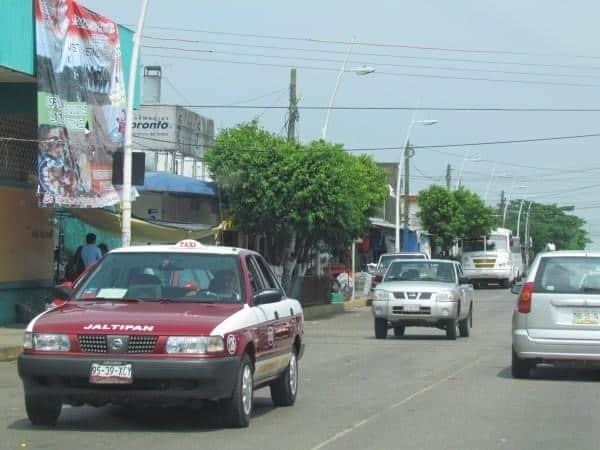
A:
(483, 53)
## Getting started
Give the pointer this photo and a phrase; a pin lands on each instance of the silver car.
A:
(425, 293)
(557, 316)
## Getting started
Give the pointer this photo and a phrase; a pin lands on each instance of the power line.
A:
(379, 55)
(406, 66)
(394, 74)
(372, 44)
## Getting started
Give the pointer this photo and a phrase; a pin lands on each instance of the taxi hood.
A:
(151, 318)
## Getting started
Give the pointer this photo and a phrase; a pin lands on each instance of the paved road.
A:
(417, 392)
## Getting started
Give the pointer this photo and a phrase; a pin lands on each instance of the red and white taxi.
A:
(168, 325)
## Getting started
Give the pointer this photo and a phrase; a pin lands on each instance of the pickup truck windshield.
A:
(154, 277)
(438, 271)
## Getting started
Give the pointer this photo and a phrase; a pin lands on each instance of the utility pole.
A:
(406, 191)
(527, 238)
(448, 177)
(293, 109)
(502, 202)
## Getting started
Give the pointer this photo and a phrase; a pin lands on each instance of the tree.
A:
(295, 196)
(448, 215)
(548, 223)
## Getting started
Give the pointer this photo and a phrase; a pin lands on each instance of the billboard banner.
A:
(81, 105)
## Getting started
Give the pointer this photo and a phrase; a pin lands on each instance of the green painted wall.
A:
(18, 98)
(17, 44)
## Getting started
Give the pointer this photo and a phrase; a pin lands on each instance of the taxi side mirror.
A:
(63, 291)
(268, 296)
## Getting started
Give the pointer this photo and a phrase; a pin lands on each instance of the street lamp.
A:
(127, 147)
(362, 70)
(466, 157)
(406, 157)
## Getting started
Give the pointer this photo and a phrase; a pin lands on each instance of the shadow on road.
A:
(551, 373)
(118, 418)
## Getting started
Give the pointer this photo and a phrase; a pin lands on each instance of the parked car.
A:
(168, 325)
(557, 315)
(386, 258)
(426, 293)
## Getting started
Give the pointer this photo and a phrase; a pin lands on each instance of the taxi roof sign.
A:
(188, 243)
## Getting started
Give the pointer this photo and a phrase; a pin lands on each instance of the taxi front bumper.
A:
(161, 380)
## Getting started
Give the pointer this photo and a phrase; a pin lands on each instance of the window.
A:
(568, 275)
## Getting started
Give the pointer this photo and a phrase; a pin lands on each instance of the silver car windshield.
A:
(415, 270)
(387, 259)
(568, 275)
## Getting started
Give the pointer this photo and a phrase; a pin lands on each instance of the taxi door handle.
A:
(276, 315)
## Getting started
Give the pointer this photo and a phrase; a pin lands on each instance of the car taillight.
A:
(524, 301)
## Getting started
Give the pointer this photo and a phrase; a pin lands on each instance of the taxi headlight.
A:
(383, 295)
(47, 342)
(195, 344)
(447, 296)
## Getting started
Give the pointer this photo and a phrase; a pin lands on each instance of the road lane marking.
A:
(405, 400)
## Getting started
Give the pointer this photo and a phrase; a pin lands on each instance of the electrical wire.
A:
(378, 55)
(372, 44)
(371, 63)
(394, 74)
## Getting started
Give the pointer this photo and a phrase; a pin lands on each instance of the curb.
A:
(10, 353)
(326, 311)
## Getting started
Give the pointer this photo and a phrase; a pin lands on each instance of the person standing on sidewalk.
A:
(90, 253)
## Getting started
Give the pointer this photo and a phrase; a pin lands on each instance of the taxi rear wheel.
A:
(42, 410)
(380, 328)
(520, 368)
(238, 408)
(284, 389)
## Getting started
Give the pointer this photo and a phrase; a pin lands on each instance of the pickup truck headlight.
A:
(447, 296)
(382, 295)
(195, 344)
(46, 342)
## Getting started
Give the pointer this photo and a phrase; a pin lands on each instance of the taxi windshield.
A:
(154, 277)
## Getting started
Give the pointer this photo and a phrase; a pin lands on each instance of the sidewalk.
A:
(11, 342)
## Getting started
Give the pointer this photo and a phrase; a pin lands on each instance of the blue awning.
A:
(169, 182)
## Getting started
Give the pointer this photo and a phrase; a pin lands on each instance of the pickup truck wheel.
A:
(42, 410)
(399, 330)
(284, 389)
(465, 324)
(238, 408)
(520, 367)
(451, 329)
(380, 328)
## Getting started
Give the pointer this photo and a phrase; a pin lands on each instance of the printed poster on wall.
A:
(81, 105)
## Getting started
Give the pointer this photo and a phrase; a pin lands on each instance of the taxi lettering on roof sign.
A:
(188, 243)
(178, 319)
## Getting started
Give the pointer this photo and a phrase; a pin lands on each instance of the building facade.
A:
(28, 233)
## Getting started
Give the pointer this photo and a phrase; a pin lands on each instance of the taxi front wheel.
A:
(238, 408)
(42, 410)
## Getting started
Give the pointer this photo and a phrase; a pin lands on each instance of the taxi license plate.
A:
(586, 318)
(111, 373)
(411, 307)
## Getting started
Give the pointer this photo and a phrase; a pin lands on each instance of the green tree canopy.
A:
(297, 196)
(548, 223)
(448, 215)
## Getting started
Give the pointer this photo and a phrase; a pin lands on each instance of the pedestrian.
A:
(103, 248)
(90, 253)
